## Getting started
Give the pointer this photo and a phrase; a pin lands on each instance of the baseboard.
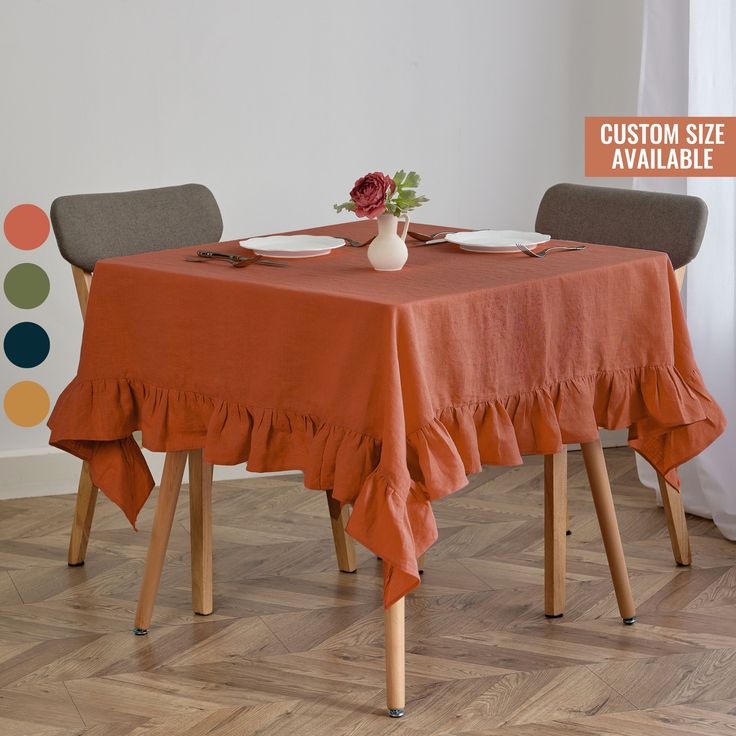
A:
(50, 472)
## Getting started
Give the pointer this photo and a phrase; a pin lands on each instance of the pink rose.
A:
(369, 194)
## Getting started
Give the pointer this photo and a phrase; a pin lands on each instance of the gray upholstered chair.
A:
(673, 224)
(89, 227)
(670, 223)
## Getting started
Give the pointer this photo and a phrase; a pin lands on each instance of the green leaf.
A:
(406, 203)
(349, 206)
(399, 177)
(412, 180)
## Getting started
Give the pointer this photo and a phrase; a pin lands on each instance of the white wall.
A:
(278, 106)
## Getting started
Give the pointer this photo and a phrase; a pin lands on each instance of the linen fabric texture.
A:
(388, 388)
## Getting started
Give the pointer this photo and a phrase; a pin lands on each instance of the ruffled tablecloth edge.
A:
(671, 418)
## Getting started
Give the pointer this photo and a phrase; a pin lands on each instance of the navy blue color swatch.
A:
(26, 344)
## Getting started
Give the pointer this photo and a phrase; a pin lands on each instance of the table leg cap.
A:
(75, 564)
(396, 712)
(554, 615)
(629, 621)
(139, 632)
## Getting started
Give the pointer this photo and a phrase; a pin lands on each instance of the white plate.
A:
(495, 241)
(293, 246)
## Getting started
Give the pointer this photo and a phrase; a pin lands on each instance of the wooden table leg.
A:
(676, 522)
(344, 547)
(200, 521)
(393, 619)
(420, 564)
(168, 495)
(555, 532)
(600, 486)
(83, 515)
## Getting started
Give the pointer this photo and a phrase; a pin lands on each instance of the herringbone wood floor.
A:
(295, 647)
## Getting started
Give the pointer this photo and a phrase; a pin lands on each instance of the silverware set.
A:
(203, 256)
(425, 239)
(236, 261)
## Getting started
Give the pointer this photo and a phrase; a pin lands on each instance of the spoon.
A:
(542, 253)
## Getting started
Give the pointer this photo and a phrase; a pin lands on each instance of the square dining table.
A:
(388, 388)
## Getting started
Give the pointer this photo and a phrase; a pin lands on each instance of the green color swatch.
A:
(26, 285)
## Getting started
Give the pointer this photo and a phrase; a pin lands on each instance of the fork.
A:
(542, 253)
(355, 243)
(239, 261)
(422, 238)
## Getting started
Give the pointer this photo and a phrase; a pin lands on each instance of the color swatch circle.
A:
(26, 286)
(26, 403)
(26, 226)
(26, 344)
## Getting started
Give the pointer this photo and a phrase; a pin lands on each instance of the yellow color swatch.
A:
(26, 403)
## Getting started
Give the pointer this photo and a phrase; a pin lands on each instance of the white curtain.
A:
(689, 68)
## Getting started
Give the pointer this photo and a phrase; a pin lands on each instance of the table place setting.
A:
(387, 200)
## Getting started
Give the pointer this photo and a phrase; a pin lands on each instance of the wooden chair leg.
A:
(555, 532)
(344, 547)
(200, 522)
(420, 564)
(83, 515)
(393, 620)
(676, 522)
(600, 486)
(163, 519)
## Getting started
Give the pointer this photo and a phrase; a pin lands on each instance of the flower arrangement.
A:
(376, 194)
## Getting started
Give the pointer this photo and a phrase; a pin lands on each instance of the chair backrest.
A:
(89, 227)
(671, 223)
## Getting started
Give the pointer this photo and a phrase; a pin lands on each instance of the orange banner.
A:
(660, 146)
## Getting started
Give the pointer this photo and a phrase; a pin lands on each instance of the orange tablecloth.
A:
(386, 387)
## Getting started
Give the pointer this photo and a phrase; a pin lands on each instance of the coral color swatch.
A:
(26, 226)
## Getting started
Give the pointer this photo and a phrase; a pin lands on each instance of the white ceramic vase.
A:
(388, 251)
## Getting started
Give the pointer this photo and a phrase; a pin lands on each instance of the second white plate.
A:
(495, 241)
(293, 246)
